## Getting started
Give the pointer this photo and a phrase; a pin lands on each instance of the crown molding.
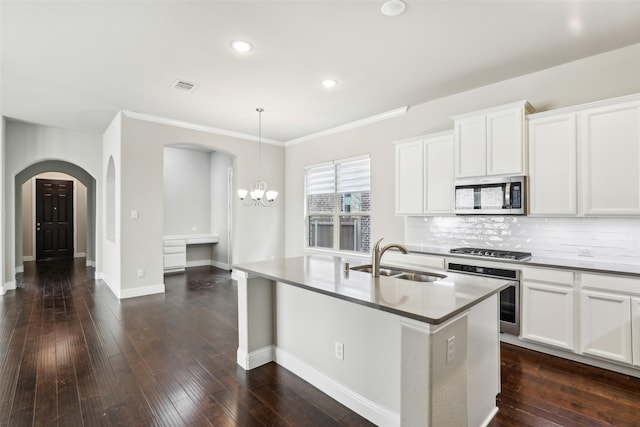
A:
(358, 123)
(197, 127)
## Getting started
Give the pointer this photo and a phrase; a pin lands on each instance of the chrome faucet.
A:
(377, 253)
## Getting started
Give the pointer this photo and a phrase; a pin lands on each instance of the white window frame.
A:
(336, 214)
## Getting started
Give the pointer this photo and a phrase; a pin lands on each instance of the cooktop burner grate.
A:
(492, 253)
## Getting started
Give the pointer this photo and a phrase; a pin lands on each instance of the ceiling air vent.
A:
(183, 85)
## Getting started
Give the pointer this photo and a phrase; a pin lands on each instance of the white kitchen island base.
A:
(394, 369)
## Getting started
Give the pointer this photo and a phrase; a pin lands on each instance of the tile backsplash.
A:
(615, 240)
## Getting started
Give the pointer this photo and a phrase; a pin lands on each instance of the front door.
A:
(54, 218)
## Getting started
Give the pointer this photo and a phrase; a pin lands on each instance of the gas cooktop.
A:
(492, 253)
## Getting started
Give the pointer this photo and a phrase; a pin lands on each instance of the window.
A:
(338, 205)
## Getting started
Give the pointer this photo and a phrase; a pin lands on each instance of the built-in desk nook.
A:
(176, 246)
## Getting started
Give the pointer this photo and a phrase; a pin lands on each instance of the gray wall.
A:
(187, 191)
(3, 195)
(137, 145)
(608, 75)
(220, 164)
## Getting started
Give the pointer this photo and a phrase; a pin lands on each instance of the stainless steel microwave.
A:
(490, 196)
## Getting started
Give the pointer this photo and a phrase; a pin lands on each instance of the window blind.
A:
(320, 179)
(354, 176)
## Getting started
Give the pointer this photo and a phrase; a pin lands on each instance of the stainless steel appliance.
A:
(490, 196)
(510, 296)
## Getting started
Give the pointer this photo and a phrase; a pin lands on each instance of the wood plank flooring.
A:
(71, 354)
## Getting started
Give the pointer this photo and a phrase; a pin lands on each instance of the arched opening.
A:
(68, 169)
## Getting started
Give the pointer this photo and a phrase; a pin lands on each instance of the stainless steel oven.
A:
(510, 296)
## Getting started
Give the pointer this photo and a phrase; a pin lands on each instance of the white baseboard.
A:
(373, 411)
(90, 263)
(19, 269)
(198, 263)
(587, 360)
(98, 275)
(220, 264)
(28, 258)
(9, 286)
(141, 291)
(80, 255)
(493, 413)
(256, 358)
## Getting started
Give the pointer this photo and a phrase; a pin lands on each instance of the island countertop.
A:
(431, 302)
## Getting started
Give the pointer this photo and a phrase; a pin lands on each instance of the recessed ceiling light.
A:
(241, 45)
(329, 83)
(393, 7)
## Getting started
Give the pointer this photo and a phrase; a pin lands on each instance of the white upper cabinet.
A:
(438, 174)
(424, 175)
(552, 165)
(610, 159)
(491, 142)
(409, 178)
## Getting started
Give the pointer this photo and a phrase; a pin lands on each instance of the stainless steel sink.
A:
(384, 271)
(420, 277)
(401, 274)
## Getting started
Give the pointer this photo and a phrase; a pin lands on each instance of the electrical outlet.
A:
(451, 349)
(141, 272)
(339, 350)
(585, 252)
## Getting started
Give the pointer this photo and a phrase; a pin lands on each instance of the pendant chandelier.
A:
(258, 193)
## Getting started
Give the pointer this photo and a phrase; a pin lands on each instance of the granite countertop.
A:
(430, 302)
(567, 264)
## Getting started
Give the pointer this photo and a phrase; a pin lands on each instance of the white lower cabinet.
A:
(635, 329)
(548, 314)
(606, 325)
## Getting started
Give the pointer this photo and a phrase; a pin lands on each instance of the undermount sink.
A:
(383, 270)
(401, 274)
(421, 277)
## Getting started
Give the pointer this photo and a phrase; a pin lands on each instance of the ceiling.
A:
(74, 64)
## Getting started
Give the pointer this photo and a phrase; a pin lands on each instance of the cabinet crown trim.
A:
(528, 109)
(442, 134)
(586, 106)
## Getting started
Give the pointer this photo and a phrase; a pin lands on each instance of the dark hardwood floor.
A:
(71, 354)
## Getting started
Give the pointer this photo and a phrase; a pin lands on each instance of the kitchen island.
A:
(398, 352)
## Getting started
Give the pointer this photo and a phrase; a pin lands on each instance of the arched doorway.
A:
(72, 170)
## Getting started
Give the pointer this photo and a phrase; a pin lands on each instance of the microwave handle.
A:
(507, 195)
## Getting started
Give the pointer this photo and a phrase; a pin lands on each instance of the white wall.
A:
(27, 144)
(258, 232)
(608, 75)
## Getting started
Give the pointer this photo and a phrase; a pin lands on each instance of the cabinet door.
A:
(505, 142)
(606, 325)
(438, 175)
(552, 165)
(610, 140)
(635, 328)
(548, 314)
(409, 178)
(470, 147)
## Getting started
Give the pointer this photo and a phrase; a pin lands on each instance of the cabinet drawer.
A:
(175, 260)
(180, 242)
(561, 277)
(174, 249)
(626, 285)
